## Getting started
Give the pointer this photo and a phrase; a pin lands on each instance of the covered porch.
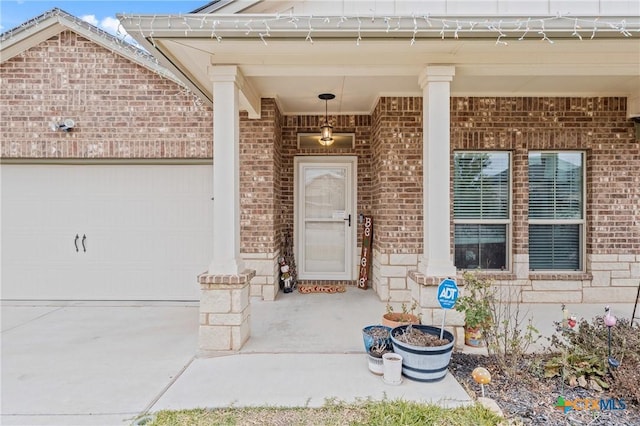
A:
(394, 76)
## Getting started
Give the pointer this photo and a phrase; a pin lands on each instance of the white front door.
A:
(325, 201)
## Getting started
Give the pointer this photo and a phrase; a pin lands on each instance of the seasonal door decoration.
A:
(365, 258)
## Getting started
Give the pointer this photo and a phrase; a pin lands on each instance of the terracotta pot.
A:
(395, 319)
(473, 337)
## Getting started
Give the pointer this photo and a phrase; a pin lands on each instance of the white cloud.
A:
(112, 25)
(91, 19)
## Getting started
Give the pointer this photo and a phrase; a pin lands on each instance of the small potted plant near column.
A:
(374, 357)
(476, 305)
(405, 317)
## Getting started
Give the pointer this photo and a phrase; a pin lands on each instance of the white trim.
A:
(582, 223)
(342, 141)
(509, 255)
(352, 200)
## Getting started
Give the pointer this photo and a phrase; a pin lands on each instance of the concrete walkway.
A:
(96, 363)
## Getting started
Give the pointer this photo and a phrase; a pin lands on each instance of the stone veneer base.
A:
(224, 312)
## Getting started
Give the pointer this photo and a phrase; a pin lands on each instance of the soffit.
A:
(294, 69)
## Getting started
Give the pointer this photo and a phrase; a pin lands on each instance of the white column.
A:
(435, 82)
(226, 171)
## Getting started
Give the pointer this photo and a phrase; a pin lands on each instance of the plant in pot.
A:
(375, 335)
(407, 316)
(425, 356)
(476, 305)
(374, 357)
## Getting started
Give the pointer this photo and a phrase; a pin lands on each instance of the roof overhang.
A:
(294, 58)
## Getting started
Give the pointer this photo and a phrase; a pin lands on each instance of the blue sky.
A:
(100, 13)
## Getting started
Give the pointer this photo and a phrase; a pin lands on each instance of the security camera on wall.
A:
(65, 125)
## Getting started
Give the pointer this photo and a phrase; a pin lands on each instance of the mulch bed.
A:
(530, 399)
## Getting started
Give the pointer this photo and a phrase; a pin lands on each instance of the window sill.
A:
(565, 275)
(490, 275)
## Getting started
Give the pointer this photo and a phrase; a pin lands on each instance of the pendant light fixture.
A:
(326, 130)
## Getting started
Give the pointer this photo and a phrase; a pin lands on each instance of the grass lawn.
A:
(332, 413)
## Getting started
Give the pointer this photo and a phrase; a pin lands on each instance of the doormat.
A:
(321, 288)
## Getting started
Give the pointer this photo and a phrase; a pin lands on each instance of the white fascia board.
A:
(251, 26)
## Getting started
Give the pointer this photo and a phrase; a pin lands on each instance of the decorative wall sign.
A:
(365, 258)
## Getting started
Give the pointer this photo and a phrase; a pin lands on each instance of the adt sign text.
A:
(447, 293)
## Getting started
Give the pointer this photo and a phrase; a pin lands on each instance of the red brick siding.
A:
(259, 184)
(125, 111)
(597, 126)
(121, 109)
(397, 175)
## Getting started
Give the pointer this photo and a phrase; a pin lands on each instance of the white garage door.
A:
(105, 232)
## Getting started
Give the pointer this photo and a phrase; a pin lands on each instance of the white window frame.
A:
(581, 222)
(507, 222)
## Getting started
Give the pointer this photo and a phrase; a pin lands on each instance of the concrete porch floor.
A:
(104, 363)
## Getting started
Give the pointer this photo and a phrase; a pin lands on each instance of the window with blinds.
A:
(556, 210)
(481, 209)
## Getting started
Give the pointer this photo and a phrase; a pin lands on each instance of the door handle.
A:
(349, 219)
(84, 238)
(75, 242)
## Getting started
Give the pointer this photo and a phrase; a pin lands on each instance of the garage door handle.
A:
(84, 238)
(75, 242)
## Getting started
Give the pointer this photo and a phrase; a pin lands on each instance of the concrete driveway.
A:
(106, 363)
(91, 363)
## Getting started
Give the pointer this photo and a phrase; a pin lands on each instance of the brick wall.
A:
(397, 179)
(597, 126)
(121, 110)
(260, 194)
(259, 187)
(397, 182)
(125, 111)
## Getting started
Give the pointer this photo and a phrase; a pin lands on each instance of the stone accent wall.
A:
(260, 192)
(424, 290)
(225, 312)
(615, 278)
(121, 109)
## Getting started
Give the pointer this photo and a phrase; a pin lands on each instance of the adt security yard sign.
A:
(447, 293)
(447, 296)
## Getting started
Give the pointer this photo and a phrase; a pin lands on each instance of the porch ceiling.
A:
(294, 70)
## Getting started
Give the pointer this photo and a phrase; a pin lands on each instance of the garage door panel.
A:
(148, 231)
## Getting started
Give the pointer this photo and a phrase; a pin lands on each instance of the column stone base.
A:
(425, 291)
(224, 312)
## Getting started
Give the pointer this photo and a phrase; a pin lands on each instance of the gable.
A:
(53, 22)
